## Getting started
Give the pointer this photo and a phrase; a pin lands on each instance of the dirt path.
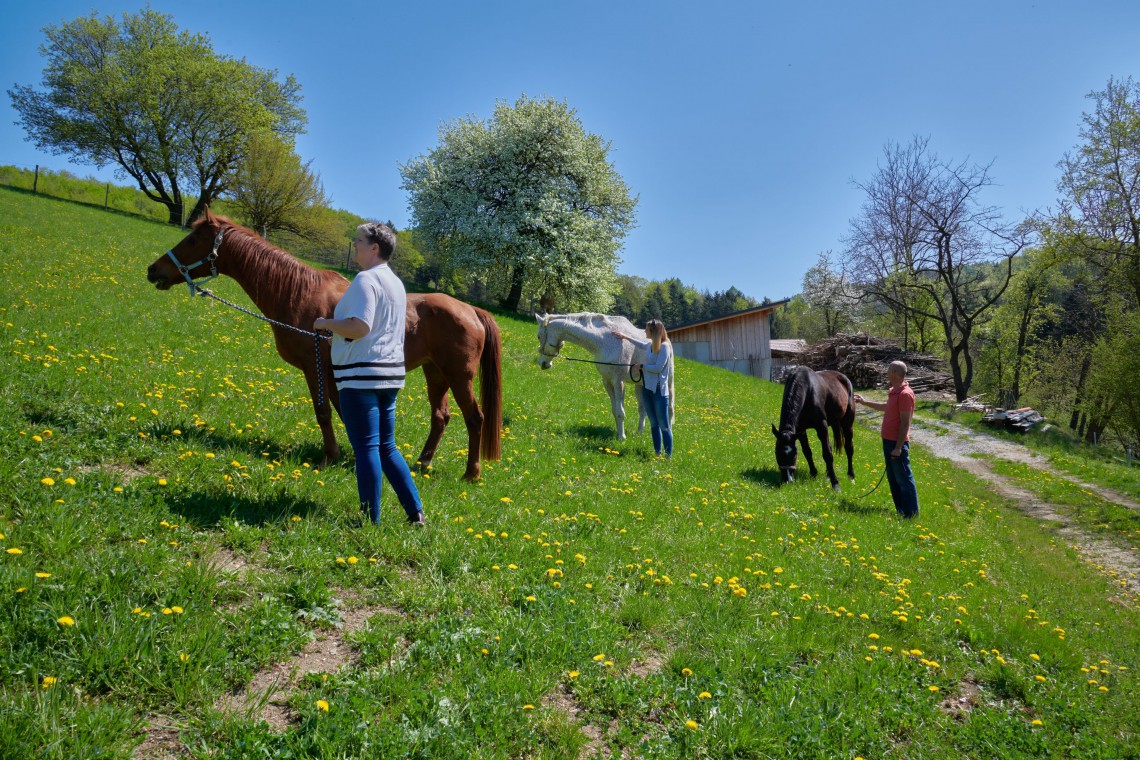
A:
(961, 446)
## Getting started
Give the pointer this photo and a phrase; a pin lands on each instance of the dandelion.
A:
(599, 657)
(1039, 679)
(43, 575)
(573, 674)
(49, 681)
(167, 611)
(183, 657)
(66, 621)
(14, 551)
(873, 636)
(692, 725)
(176, 610)
(69, 481)
(933, 688)
(686, 672)
(1035, 657)
(352, 560)
(508, 500)
(322, 705)
(704, 695)
(528, 707)
(47, 481)
(1036, 722)
(162, 481)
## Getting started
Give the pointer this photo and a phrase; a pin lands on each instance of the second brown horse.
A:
(452, 341)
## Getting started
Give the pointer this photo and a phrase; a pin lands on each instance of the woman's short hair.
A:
(380, 234)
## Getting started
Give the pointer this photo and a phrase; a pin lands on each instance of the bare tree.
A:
(925, 244)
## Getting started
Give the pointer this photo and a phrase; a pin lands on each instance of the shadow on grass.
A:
(857, 506)
(600, 433)
(205, 509)
(764, 477)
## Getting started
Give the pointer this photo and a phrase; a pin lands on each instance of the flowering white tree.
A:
(527, 195)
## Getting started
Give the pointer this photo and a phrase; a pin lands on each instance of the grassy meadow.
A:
(584, 597)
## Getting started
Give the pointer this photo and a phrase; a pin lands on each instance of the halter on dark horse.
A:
(815, 401)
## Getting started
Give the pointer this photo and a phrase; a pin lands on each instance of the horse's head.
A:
(548, 345)
(786, 454)
(194, 257)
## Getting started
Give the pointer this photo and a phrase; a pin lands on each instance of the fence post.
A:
(106, 195)
(36, 181)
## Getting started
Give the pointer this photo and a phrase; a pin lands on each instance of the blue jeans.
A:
(657, 409)
(370, 420)
(901, 479)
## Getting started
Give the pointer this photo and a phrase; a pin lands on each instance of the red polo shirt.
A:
(899, 400)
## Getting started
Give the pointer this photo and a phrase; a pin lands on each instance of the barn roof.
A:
(734, 315)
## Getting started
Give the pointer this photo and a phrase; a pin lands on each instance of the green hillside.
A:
(167, 535)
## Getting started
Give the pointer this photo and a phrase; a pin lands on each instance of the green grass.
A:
(183, 432)
(1099, 465)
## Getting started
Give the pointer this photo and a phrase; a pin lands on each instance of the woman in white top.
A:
(658, 371)
(368, 366)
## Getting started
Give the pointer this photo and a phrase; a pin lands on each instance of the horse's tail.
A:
(490, 387)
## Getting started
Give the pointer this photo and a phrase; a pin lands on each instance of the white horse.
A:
(592, 332)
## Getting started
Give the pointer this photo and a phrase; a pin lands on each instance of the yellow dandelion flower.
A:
(167, 611)
(322, 705)
(66, 620)
(933, 688)
(704, 695)
(686, 672)
(183, 657)
(528, 707)
(162, 481)
(14, 550)
(1035, 657)
(692, 725)
(48, 481)
(599, 657)
(573, 674)
(1036, 722)
(69, 481)
(49, 681)
(43, 575)
(1039, 679)
(873, 636)
(352, 560)
(176, 609)
(530, 598)
(508, 500)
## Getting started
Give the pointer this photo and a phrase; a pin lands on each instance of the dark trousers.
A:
(657, 410)
(901, 479)
(370, 421)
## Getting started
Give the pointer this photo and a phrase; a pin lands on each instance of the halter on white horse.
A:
(593, 332)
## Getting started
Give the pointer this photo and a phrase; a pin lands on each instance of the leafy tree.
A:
(827, 292)
(1100, 185)
(275, 191)
(156, 102)
(528, 195)
(924, 243)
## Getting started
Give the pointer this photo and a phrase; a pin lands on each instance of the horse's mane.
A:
(795, 395)
(256, 260)
(594, 319)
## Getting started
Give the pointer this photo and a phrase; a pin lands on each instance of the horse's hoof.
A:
(473, 474)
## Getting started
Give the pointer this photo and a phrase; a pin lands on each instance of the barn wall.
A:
(740, 344)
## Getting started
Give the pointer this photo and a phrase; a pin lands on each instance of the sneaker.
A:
(417, 520)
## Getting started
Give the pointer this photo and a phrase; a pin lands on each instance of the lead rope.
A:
(316, 336)
(608, 364)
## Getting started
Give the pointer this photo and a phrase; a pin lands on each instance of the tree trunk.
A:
(175, 212)
(511, 302)
(198, 210)
(1075, 419)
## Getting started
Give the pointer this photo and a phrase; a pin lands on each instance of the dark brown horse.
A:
(451, 340)
(815, 401)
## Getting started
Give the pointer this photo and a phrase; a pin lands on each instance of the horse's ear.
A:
(540, 318)
(775, 432)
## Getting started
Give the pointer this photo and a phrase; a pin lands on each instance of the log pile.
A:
(865, 359)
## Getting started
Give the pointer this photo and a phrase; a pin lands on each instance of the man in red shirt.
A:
(897, 415)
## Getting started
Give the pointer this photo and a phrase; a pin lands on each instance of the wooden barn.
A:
(741, 342)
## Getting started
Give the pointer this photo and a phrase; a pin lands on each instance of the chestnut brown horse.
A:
(815, 401)
(451, 340)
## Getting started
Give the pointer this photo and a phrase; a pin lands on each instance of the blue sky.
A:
(739, 125)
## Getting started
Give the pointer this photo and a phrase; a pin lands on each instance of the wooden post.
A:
(36, 181)
(106, 195)
(348, 258)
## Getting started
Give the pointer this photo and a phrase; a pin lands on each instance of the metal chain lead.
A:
(316, 336)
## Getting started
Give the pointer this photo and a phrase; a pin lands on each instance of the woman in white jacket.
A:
(658, 371)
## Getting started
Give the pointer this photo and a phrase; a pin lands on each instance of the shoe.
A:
(417, 520)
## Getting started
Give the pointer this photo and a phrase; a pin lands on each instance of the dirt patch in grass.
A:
(128, 472)
(963, 700)
(268, 693)
(563, 700)
(643, 667)
(161, 741)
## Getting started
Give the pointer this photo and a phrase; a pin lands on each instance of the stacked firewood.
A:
(865, 359)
